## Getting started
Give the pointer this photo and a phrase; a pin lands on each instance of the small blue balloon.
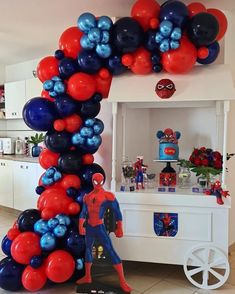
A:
(41, 227)
(95, 141)
(150, 42)
(90, 122)
(48, 85)
(36, 261)
(86, 132)
(77, 139)
(98, 127)
(105, 36)
(214, 50)
(6, 246)
(115, 65)
(63, 219)
(176, 34)
(50, 172)
(103, 50)
(86, 21)
(53, 94)
(158, 38)
(157, 68)
(166, 28)
(174, 44)
(59, 54)
(47, 181)
(71, 192)
(164, 45)
(59, 87)
(52, 223)
(104, 23)
(48, 241)
(67, 67)
(79, 264)
(86, 43)
(56, 79)
(94, 35)
(39, 190)
(60, 231)
(57, 176)
(156, 58)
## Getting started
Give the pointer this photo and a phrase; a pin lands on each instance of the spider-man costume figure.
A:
(94, 206)
(217, 191)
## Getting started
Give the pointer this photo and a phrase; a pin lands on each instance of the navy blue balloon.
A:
(97, 97)
(39, 114)
(10, 274)
(89, 109)
(70, 162)
(87, 149)
(75, 244)
(127, 35)
(89, 62)
(65, 105)
(150, 42)
(176, 12)
(87, 172)
(58, 141)
(59, 54)
(71, 192)
(36, 261)
(81, 193)
(27, 219)
(67, 67)
(115, 66)
(6, 246)
(214, 50)
(39, 190)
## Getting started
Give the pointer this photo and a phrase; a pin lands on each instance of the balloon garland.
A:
(44, 243)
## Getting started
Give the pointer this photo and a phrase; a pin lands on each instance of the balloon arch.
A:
(44, 243)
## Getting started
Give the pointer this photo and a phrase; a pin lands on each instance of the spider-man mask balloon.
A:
(165, 88)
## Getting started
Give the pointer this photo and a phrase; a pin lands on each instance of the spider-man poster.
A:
(165, 224)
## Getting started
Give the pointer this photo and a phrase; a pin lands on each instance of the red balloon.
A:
(181, 60)
(145, 10)
(127, 60)
(81, 86)
(103, 82)
(74, 208)
(48, 158)
(13, 233)
(25, 246)
(33, 279)
(222, 20)
(142, 64)
(70, 181)
(203, 53)
(69, 42)
(87, 158)
(59, 125)
(47, 68)
(60, 266)
(45, 94)
(73, 123)
(195, 8)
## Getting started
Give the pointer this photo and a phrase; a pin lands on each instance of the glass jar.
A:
(128, 175)
(184, 177)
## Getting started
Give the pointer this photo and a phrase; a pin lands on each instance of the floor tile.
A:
(165, 287)
(231, 279)
(226, 289)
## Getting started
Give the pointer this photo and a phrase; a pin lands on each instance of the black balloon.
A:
(89, 62)
(89, 109)
(70, 162)
(88, 171)
(65, 105)
(67, 67)
(203, 29)
(127, 35)
(27, 219)
(58, 142)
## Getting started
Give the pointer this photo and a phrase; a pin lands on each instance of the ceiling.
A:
(30, 29)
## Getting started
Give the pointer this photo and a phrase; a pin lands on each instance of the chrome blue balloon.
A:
(41, 227)
(174, 44)
(86, 132)
(36, 261)
(176, 34)
(86, 43)
(105, 36)
(48, 241)
(6, 246)
(90, 122)
(104, 23)
(214, 50)
(60, 231)
(57, 176)
(94, 35)
(63, 219)
(59, 87)
(77, 139)
(79, 264)
(103, 50)
(50, 172)
(52, 223)
(95, 141)
(164, 46)
(47, 181)
(166, 28)
(98, 127)
(158, 38)
(53, 94)
(86, 21)
(48, 85)
(56, 79)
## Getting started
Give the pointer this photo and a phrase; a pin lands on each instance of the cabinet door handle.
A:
(27, 167)
(21, 166)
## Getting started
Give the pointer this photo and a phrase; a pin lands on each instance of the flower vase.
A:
(184, 177)
(36, 150)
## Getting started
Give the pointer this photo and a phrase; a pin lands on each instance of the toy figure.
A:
(94, 206)
(217, 191)
(139, 168)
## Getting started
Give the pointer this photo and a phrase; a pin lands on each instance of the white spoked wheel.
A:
(206, 267)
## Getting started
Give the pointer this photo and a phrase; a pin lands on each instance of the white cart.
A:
(199, 110)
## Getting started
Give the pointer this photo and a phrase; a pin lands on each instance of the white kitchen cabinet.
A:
(14, 99)
(25, 178)
(33, 88)
(6, 183)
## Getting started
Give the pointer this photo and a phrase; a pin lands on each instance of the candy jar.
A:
(128, 175)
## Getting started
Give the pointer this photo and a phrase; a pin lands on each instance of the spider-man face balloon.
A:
(165, 88)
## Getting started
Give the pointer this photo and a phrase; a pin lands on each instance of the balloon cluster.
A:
(75, 80)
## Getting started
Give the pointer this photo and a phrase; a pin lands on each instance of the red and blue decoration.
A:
(171, 38)
(165, 224)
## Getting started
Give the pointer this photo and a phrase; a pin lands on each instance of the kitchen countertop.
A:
(19, 158)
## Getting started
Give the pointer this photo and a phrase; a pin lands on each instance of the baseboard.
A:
(231, 248)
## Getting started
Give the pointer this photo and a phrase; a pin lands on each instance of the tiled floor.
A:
(143, 277)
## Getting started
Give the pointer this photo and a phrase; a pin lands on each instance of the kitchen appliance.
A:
(19, 146)
(7, 145)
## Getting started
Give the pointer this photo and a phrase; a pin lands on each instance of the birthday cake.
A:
(168, 144)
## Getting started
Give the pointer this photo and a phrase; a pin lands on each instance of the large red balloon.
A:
(142, 64)
(48, 158)
(47, 68)
(33, 279)
(25, 246)
(70, 181)
(81, 86)
(222, 20)
(73, 123)
(69, 42)
(181, 60)
(195, 8)
(60, 266)
(144, 11)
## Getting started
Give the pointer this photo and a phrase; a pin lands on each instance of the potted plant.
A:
(35, 140)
